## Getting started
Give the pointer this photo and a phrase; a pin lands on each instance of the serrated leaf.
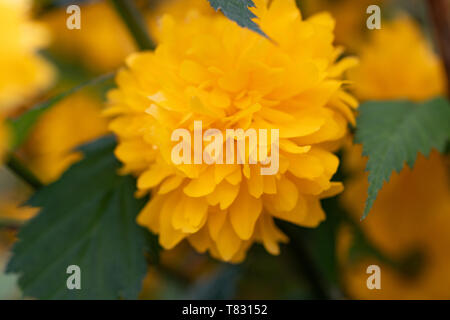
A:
(393, 132)
(238, 11)
(87, 218)
(23, 125)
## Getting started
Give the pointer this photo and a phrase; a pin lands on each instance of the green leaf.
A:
(237, 10)
(393, 132)
(87, 218)
(23, 125)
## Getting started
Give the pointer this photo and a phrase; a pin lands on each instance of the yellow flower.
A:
(102, 42)
(350, 16)
(177, 9)
(412, 212)
(207, 68)
(398, 63)
(23, 73)
(411, 216)
(49, 151)
(72, 122)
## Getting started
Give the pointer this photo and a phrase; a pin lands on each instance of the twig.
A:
(23, 172)
(135, 23)
(440, 13)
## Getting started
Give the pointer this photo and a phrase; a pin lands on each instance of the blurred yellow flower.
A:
(23, 73)
(74, 121)
(102, 42)
(350, 16)
(208, 68)
(178, 9)
(398, 63)
(50, 150)
(411, 216)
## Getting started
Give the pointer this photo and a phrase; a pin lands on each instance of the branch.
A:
(440, 13)
(135, 23)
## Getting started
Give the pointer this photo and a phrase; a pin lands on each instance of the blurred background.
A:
(406, 234)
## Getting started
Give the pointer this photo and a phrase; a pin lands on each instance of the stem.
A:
(172, 274)
(440, 13)
(23, 125)
(11, 224)
(300, 6)
(367, 243)
(167, 271)
(23, 172)
(135, 23)
(306, 263)
(408, 265)
(45, 6)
